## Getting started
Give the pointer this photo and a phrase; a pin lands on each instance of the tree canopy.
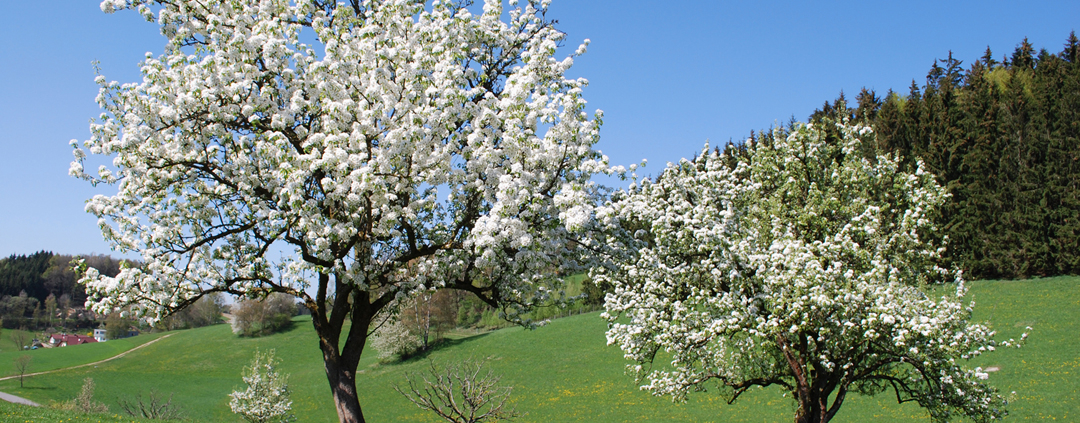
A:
(412, 147)
(795, 260)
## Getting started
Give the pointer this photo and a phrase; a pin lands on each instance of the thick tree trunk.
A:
(340, 362)
(808, 413)
(343, 386)
(811, 394)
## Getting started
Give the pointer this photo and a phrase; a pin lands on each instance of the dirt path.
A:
(20, 400)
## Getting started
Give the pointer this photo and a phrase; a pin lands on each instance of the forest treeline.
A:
(41, 291)
(1004, 138)
(42, 288)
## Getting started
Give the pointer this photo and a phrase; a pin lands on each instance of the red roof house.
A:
(62, 340)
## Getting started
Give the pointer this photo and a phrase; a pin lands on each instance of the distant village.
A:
(66, 339)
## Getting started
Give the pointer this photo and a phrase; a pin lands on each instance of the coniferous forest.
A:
(1004, 137)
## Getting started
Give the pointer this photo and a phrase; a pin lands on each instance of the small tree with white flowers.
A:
(797, 261)
(393, 338)
(266, 398)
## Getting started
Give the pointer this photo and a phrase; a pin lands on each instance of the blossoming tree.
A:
(266, 398)
(801, 262)
(350, 154)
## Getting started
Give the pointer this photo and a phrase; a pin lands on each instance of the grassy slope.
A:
(565, 372)
(6, 344)
(1046, 372)
(15, 413)
(56, 358)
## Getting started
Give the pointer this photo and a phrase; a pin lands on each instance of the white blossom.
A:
(799, 262)
(411, 146)
(266, 398)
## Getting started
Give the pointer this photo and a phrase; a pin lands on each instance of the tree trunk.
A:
(343, 386)
(812, 401)
(808, 413)
(340, 363)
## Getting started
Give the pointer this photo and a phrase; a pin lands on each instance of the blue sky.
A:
(668, 75)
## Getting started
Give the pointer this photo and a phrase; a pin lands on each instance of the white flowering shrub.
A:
(393, 338)
(800, 263)
(266, 398)
(396, 146)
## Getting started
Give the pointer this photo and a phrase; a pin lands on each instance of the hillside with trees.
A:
(42, 290)
(1004, 138)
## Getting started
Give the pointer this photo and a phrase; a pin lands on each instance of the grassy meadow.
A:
(15, 413)
(46, 359)
(563, 372)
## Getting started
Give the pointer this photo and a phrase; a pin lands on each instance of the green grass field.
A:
(57, 358)
(563, 372)
(15, 413)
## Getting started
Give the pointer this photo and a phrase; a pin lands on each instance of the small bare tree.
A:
(154, 408)
(19, 338)
(461, 393)
(22, 366)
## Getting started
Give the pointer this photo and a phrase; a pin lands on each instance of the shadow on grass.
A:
(39, 388)
(437, 346)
